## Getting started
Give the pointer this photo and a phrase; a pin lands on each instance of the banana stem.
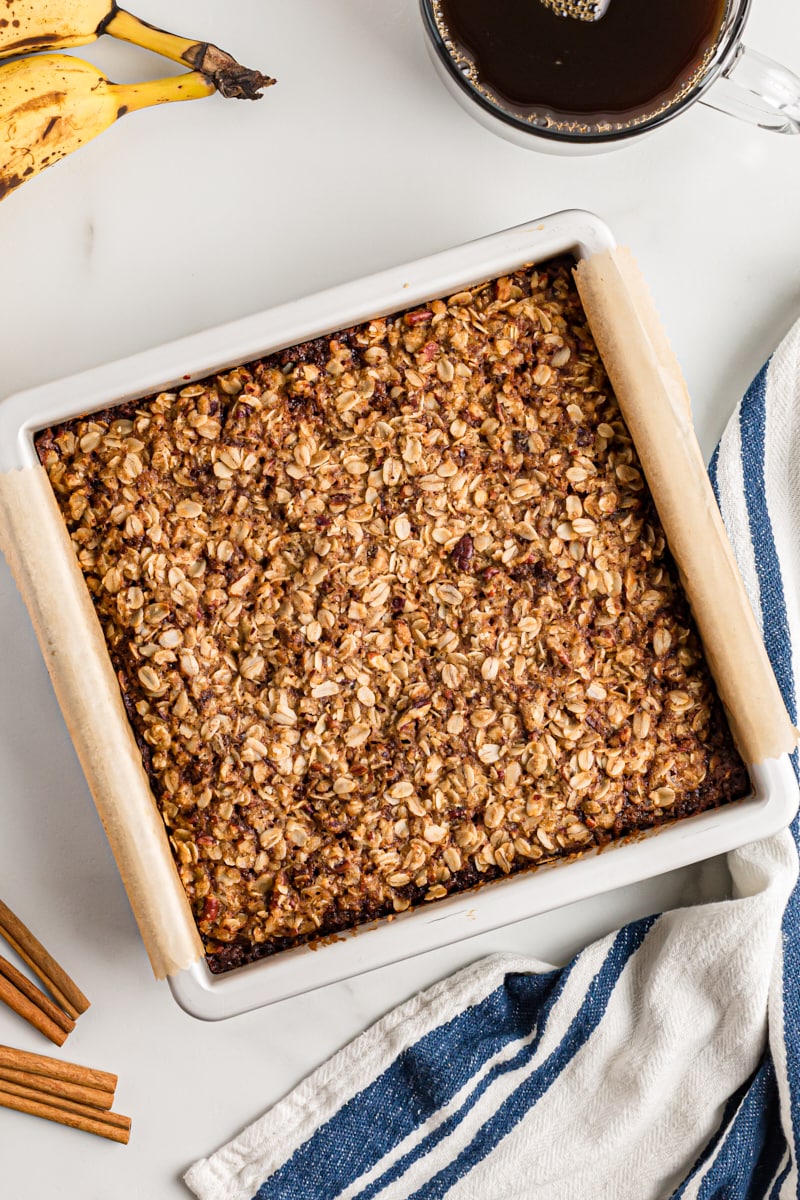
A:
(132, 96)
(230, 77)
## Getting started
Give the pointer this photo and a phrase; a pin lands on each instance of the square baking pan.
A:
(145, 871)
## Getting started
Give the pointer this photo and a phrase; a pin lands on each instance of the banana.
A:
(52, 104)
(30, 25)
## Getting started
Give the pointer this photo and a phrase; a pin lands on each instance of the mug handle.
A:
(759, 90)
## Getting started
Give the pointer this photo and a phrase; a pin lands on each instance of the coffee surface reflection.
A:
(630, 63)
(581, 10)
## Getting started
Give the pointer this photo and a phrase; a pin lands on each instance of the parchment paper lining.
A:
(38, 549)
(655, 404)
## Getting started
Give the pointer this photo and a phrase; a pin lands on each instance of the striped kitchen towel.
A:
(663, 1061)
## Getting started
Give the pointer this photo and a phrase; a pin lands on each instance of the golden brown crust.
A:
(392, 615)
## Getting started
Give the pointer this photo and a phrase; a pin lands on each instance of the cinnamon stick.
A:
(35, 995)
(56, 1087)
(88, 1110)
(30, 1012)
(31, 951)
(88, 1120)
(54, 1068)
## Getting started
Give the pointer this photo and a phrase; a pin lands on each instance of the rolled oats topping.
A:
(392, 614)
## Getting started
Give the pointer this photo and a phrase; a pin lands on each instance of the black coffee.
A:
(633, 63)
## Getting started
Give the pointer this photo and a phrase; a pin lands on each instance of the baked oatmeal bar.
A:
(392, 614)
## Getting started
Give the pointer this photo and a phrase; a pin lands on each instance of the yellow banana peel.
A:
(52, 104)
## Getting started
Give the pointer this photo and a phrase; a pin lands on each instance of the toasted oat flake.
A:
(188, 508)
(402, 527)
(323, 690)
(401, 791)
(434, 833)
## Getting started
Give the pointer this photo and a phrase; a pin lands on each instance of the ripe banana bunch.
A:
(51, 104)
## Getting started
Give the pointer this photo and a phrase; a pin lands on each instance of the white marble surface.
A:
(187, 216)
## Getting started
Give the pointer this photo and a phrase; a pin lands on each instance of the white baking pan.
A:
(769, 808)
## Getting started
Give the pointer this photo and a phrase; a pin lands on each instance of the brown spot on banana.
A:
(8, 185)
(39, 41)
(47, 100)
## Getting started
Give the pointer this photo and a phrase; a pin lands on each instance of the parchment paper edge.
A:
(654, 400)
(37, 547)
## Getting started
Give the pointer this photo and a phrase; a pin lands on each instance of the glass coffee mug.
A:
(538, 75)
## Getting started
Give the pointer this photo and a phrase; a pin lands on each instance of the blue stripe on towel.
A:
(781, 1180)
(790, 936)
(754, 1146)
(709, 1150)
(449, 1124)
(413, 1089)
(517, 1106)
(713, 469)
(777, 637)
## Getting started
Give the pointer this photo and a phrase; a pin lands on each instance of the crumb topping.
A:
(392, 614)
